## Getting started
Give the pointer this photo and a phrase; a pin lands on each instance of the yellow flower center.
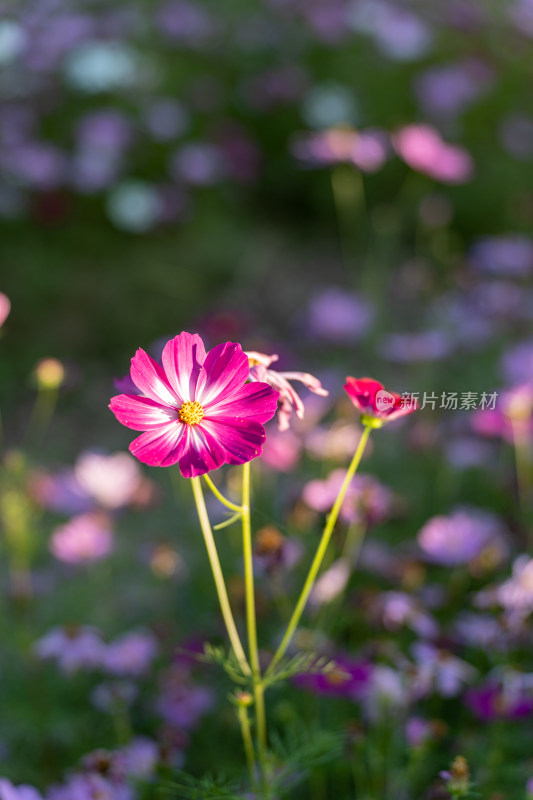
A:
(191, 413)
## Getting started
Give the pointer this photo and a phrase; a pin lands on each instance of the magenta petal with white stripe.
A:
(196, 409)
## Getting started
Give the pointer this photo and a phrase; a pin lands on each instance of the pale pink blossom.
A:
(423, 149)
(5, 308)
(367, 150)
(84, 539)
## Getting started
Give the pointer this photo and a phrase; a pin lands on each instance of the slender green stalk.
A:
(218, 576)
(259, 700)
(244, 720)
(322, 547)
(218, 494)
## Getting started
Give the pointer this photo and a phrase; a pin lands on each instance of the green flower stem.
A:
(259, 700)
(322, 547)
(220, 496)
(218, 576)
(244, 720)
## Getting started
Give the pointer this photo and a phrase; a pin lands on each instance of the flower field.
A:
(266, 397)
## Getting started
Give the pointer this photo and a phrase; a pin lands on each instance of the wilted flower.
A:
(289, 399)
(84, 539)
(375, 403)
(74, 647)
(196, 409)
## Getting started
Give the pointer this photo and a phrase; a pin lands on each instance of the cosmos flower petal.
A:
(257, 400)
(161, 447)
(182, 359)
(141, 413)
(150, 379)
(204, 452)
(242, 441)
(362, 392)
(225, 371)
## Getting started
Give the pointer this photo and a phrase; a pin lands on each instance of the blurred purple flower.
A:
(408, 348)
(367, 149)
(398, 33)
(337, 316)
(90, 786)
(181, 702)
(350, 678)
(21, 792)
(111, 696)
(517, 363)
(448, 90)
(516, 134)
(74, 647)
(439, 671)
(396, 609)
(140, 756)
(504, 255)
(166, 119)
(498, 699)
(185, 22)
(37, 164)
(462, 537)
(199, 164)
(130, 654)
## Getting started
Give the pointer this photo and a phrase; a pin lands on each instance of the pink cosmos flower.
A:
(289, 399)
(5, 308)
(375, 403)
(196, 408)
(84, 539)
(422, 149)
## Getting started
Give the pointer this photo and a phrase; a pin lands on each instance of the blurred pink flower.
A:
(331, 583)
(367, 150)
(289, 399)
(367, 501)
(5, 307)
(112, 480)
(423, 149)
(84, 539)
(282, 450)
